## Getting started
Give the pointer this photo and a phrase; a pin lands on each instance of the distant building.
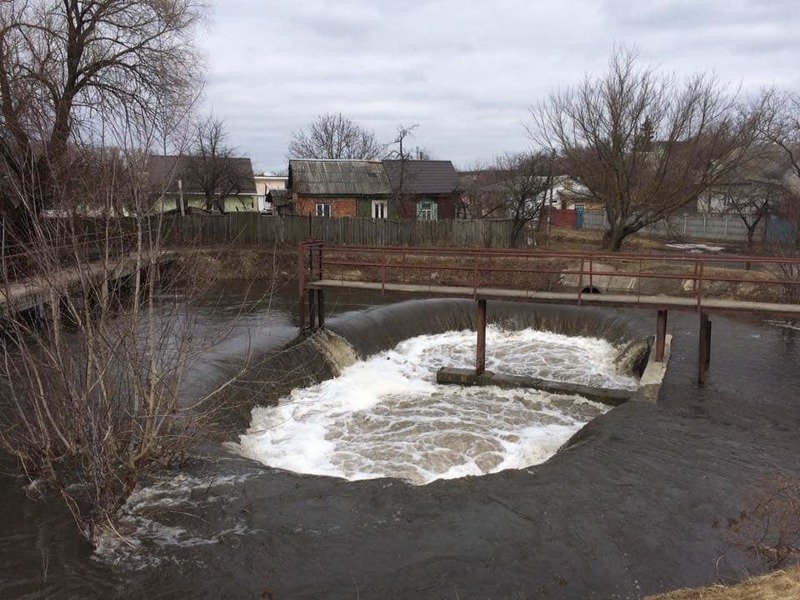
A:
(425, 190)
(227, 184)
(266, 185)
(339, 188)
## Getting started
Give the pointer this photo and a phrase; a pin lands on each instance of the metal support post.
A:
(312, 309)
(321, 308)
(704, 349)
(661, 334)
(480, 354)
(301, 285)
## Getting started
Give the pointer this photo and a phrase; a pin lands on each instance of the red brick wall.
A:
(562, 218)
(340, 207)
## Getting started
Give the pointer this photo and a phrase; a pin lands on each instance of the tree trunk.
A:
(614, 236)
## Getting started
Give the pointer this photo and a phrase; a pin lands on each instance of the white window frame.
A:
(322, 209)
(380, 209)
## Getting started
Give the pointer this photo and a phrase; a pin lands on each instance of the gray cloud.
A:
(465, 71)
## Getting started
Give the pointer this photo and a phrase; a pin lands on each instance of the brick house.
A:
(408, 189)
(339, 188)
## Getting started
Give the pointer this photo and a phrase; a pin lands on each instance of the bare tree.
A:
(402, 155)
(332, 136)
(69, 68)
(94, 400)
(782, 124)
(643, 144)
(93, 384)
(752, 190)
(515, 188)
(211, 167)
(781, 129)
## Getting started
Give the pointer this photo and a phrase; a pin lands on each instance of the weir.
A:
(387, 416)
(660, 282)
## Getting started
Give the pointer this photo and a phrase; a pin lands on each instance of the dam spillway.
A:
(385, 415)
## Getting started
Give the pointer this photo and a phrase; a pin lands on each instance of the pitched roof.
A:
(338, 177)
(422, 176)
(164, 172)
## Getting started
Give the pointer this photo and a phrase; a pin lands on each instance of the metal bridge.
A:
(701, 283)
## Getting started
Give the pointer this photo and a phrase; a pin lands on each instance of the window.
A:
(379, 209)
(323, 210)
(426, 210)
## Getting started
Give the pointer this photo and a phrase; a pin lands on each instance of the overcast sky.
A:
(465, 71)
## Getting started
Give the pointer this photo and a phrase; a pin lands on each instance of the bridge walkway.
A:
(705, 284)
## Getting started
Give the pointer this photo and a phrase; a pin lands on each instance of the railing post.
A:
(383, 275)
(475, 277)
(480, 353)
(319, 261)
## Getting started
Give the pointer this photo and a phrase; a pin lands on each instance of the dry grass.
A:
(565, 238)
(779, 585)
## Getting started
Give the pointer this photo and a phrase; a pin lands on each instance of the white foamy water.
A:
(387, 417)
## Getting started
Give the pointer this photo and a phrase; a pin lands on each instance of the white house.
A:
(265, 183)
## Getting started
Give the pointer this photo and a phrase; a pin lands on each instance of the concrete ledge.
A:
(653, 375)
(467, 377)
(649, 383)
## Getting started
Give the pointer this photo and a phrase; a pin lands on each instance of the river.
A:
(641, 500)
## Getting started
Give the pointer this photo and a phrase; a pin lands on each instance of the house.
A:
(569, 194)
(181, 183)
(266, 184)
(496, 193)
(758, 185)
(339, 188)
(408, 189)
(426, 190)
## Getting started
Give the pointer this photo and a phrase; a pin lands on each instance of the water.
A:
(638, 506)
(387, 417)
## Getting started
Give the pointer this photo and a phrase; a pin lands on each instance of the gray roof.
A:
(338, 178)
(164, 172)
(422, 176)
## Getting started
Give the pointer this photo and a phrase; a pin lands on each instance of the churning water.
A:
(387, 417)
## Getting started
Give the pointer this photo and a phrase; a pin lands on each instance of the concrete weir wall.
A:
(649, 383)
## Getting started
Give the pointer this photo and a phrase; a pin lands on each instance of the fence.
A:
(250, 228)
(256, 229)
(691, 226)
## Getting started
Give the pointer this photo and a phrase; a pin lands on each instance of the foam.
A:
(387, 417)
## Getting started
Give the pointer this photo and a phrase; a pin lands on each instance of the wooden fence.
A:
(256, 229)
